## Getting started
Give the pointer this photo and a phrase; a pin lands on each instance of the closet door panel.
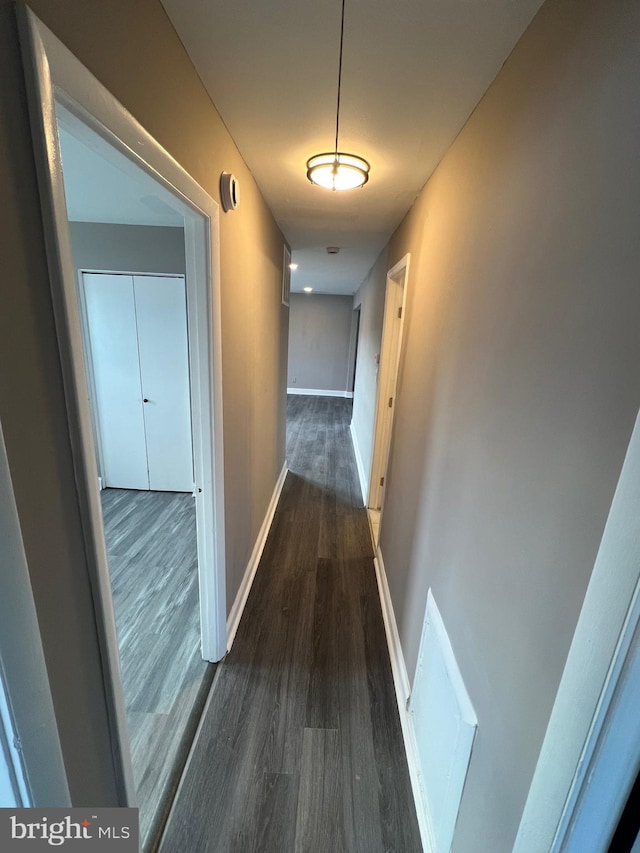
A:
(161, 311)
(113, 343)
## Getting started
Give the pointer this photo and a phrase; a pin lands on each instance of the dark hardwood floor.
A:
(151, 545)
(300, 747)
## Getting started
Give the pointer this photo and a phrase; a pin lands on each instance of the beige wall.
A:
(370, 298)
(132, 48)
(319, 338)
(520, 381)
(127, 248)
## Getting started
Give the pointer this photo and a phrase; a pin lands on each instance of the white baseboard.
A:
(233, 620)
(403, 692)
(361, 475)
(320, 392)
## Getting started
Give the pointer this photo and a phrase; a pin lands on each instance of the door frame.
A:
(354, 340)
(390, 351)
(26, 708)
(610, 761)
(585, 703)
(54, 76)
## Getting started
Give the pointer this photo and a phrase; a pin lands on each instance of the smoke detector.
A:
(333, 250)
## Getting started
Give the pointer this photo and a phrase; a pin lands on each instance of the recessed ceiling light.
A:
(307, 289)
(293, 266)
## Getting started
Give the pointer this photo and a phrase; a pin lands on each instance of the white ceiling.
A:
(413, 72)
(102, 185)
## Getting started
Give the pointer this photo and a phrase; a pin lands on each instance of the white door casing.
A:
(392, 328)
(611, 759)
(586, 702)
(32, 771)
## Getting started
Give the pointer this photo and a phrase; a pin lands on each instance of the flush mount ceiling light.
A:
(337, 170)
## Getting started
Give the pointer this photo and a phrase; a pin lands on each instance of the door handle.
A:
(144, 400)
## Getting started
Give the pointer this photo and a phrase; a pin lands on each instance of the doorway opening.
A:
(136, 355)
(389, 362)
(353, 350)
(135, 349)
(64, 98)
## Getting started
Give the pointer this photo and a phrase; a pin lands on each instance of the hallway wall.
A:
(127, 248)
(370, 298)
(132, 48)
(319, 338)
(519, 385)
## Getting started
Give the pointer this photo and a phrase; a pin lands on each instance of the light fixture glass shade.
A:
(338, 171)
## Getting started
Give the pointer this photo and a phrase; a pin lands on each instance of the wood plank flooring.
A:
(151, 546)
(300, 748)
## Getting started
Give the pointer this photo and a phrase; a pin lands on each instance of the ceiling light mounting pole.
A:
(337, 170)
(339, 80)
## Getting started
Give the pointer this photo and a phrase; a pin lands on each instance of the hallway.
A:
(300, 747)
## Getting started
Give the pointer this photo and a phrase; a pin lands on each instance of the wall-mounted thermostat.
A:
(229, 191)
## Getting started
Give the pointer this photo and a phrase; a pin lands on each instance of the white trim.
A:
(14, 790)
(443, 748)
(103, 271)
(400, 674)
(610, 768)
(27, 707)
(387, 385)
(375, 534)
(359, 464)
(320, 392)
(403, 693)
(354, 334)
(55, 77)
(237, 609)
(286, 275)
(84, 327)
(467, 712)
(592, 665)
(606, 716)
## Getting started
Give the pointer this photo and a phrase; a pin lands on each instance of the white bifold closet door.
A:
(137, 335)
